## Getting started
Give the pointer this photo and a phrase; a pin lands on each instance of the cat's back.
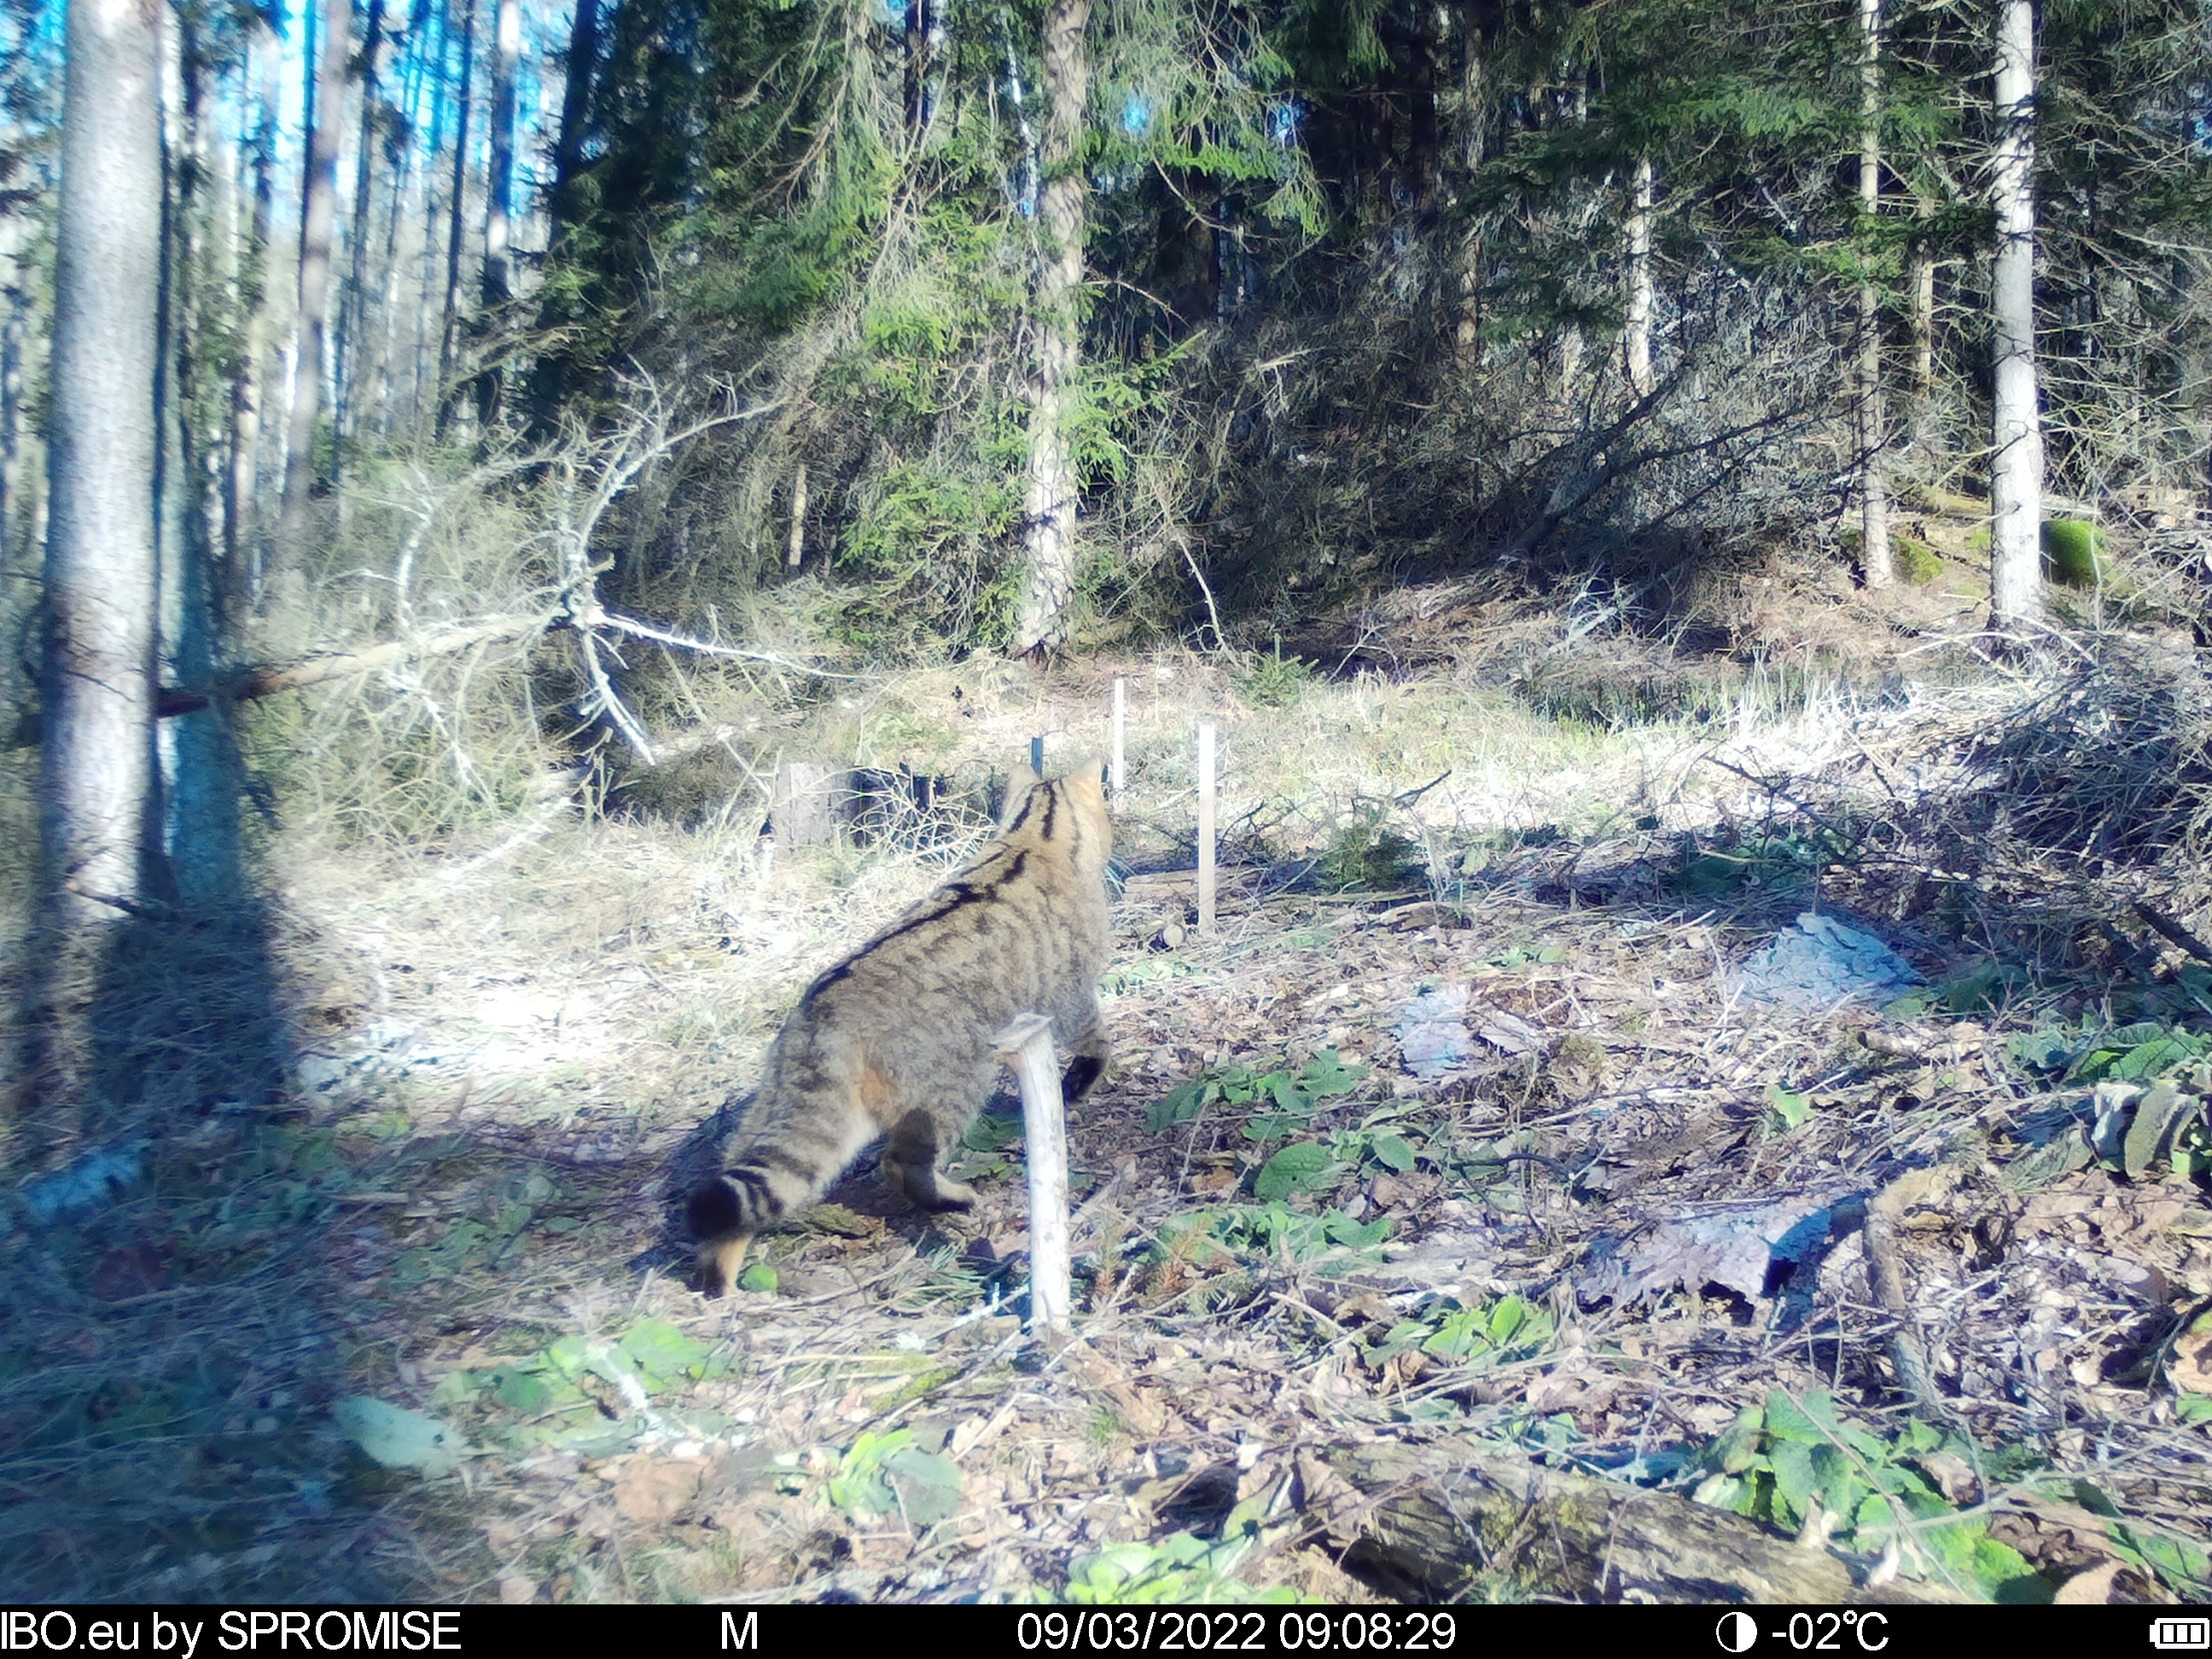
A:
(1018, 926)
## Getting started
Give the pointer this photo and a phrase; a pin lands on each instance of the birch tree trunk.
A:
(1049, 519)
(319, 212)
(2016, 452)
(1637, 331)
(95, 764)
(499, 186)
(1873, 483)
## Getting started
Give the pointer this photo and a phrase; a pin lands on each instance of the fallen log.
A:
(1433, 1515)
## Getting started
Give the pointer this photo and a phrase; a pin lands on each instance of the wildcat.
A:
(895, 1041)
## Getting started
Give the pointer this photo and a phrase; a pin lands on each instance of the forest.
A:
(1637, 570)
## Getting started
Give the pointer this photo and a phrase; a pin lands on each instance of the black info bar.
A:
(196, 1632)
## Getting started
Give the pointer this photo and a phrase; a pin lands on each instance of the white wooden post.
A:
(1025, 1048)
(801, 809)
(1121, 726)
(1206, 828)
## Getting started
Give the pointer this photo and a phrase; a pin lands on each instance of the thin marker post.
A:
(1205, 787)
(1025, 1049)
(1121, 726)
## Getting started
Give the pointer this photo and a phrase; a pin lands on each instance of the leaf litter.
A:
(1625, 1204)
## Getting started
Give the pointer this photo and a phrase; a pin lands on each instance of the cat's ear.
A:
(1019, 782)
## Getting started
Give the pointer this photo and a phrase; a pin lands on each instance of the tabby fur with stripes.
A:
(895, 1041)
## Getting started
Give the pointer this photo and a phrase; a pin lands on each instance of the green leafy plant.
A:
(2183, 1563)
(1180, 1568)
(1303, 1168)
(562, 1395)
(1268, 1233)
(1524, 956)
(1757, 861)
(984, 1145)
(1477, 1335)
(1376, 1142)
(2152, 1082)
(1916, 562)
(1986, 985)
(1366, 855)
(1274, 682)
(2074, 552)
(1295, 1095)
(1787, 1109)
(2135, 1053)
(1783, 1461)
(888, 1474)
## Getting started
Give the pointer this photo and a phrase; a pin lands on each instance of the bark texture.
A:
(1873, 434)
(1050, 538)
(1637, 340)
(1438, 1514)
(449, 335)
(100, 556)
(2016, 443)
(353, 318)
(318, 213)
(241, 543)
(499, 187)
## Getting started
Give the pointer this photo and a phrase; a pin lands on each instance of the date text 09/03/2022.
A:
(1244, 1631)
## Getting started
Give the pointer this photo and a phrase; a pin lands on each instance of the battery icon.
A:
(2181, 1632)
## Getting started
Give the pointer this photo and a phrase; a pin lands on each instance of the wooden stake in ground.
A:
(1206, 829)
(1025, 1045)
(798, 551)
(1121, 729)
(799, 810)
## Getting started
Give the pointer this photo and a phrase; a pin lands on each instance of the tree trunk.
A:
(353, 316)
(319, 211)
(921, 29)
(449, 338)
(402, 180)
(1874, 483)
(423, 393)
(100, 570)
(15, 231)
(1049, 535)
(241, 543)
(499, 186)
(198, 794)
(1637, 340)
(2017, 453)
(178, 508)
(1422, 183)
(1920, 298)
(583, 59)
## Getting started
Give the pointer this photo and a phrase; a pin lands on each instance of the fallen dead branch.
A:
(597, 472)
(1438, 1513)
